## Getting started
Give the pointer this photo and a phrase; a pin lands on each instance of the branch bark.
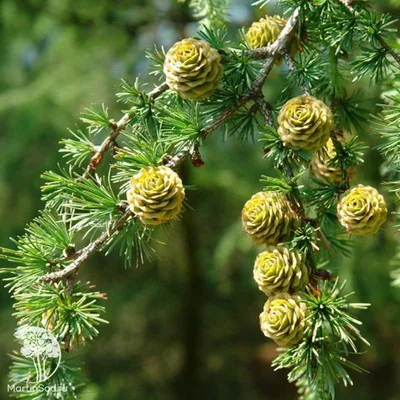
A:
(265, 109)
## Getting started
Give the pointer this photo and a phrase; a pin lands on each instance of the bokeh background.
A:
(184, 326)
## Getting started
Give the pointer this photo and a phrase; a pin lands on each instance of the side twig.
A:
(90, 249)
(265, 109)
(292, 66)
(117, 128)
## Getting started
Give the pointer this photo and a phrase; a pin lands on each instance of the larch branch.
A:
(277, 49)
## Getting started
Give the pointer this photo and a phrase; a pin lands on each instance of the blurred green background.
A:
(186, 325)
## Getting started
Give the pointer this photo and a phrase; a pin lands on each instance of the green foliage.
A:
(181, 125)
(280, 184)
(348, 154)
(280, 154)
(328, 310)
(374, 27)
(323, 196)
(216, 37)
(351, 111)
(388, 125)
(43, 246)
(241, 70)
(71, 318)
(96, 117)
(244, 125)
(140, 150)
(372, 61)
(305, 239)
(134, 243)
(77, 151)
(335, 241)
(211, 13)
(135, 97)
(321, 360)
(308, 70)
(88, 204)
(66, 380)
(157, 56)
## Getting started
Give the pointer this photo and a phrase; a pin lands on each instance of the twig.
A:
(256, 54)
(259, 54)
(89, 250)
(277, 49)
(395, 55)
(264, 108)
(339, 147)
(292, 66)
(347, 4)
(175, 161)
(117, 128)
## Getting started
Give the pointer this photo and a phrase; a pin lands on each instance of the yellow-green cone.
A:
(282, 319)
(156, 195)
(322, 168)
(193, 69)
(268, 218)
(265, 31)
(305, 123)
(280, 270)
(362, 210)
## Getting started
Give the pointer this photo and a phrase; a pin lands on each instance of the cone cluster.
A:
(193, 69)
(305, 124)
(156, 195)
(268, 218)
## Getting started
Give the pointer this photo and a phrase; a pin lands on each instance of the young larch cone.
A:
(323, 168)
(305, 123)
(265, 31)
(280, 270)
(156, 195)
(268, 218)
(362, 210)
(193, 69)
(283, 319)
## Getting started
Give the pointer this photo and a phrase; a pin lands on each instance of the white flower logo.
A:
(42, 347)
